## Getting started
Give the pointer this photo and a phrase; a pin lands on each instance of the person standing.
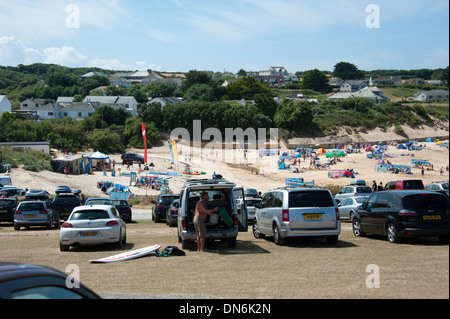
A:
(201, 212)
(66, 171)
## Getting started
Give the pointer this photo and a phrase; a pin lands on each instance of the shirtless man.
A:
(200, 220)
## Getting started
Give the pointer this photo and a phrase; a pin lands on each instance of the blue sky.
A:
(182, 35)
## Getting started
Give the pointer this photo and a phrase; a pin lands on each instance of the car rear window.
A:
(310, 199)
(7, 203)
(72, 200)
(120, 203)
(99, 202)
(445, 186)
(364, 190)
(168, 199)
(412, 185)
(252, 202)
(425, 201)
(31, 206)
(90, 215)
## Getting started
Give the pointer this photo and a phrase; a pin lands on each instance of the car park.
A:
(404, 185)
(399, 214)
(252, 205)
(441, 187)
(35, 213)
(93, 225)
(22, 281)
(353, 191)
(124, 209)
(161, 205)
(7, 209)
(172, 213)
(349, 206)
(223, 226)
(297, 212)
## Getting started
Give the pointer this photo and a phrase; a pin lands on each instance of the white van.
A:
(5, 181)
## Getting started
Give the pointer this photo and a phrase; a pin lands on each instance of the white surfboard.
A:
(128, 255)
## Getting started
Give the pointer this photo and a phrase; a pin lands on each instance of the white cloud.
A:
(112, 64)
(14, 52)
(67, 56)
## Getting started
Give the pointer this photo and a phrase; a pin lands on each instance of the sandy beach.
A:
(240, 170)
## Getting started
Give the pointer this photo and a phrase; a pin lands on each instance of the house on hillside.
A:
(5, 105)
(387, 80)
(352, 85)
(90, 74)
(75, 110)
(432, 96)
(128, 103)
(167, 100)
(372, 93)
(39, 109)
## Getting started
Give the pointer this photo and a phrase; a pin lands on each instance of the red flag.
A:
(144, 134)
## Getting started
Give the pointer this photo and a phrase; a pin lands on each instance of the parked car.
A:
(21, 281)
(441, 187)
(252, 205)
(93, 225)
(225, 225)
(398, 214)
(404, 184)
(172, 213)
(353, 191)
(37, 194)
(99, 201)
(349, 206)
(64, 203)
(134, 158)
(11, 191)
(124, 209)
(35, 213)
(161, 205)
(7, 209)
(293, 212)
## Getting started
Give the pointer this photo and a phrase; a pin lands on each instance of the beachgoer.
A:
(380, 187)
(374, 186)
(200, 220)
(65, 171)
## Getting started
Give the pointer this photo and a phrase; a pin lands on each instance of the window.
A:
(267, 201)
(310, 199)
(45, 292)
(90, 215)
(278, 200)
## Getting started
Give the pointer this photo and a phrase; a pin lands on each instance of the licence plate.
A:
(313, 216)
(432, 217)
(29, 216)
(89, 233)
(3, 211)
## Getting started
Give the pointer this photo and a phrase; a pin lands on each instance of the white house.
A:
(371, 93)
(432, 96)
(352, 85)
(5, 105)
(75, 110)
(128, 103)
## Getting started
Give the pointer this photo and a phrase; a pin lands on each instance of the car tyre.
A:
(185, 244)
(392, 234)
(232, 242)
(256, 231)
(118, 244)
(64, 247)
(356, 226)
(280, 241)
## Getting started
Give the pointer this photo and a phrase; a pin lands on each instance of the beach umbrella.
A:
(98, 156)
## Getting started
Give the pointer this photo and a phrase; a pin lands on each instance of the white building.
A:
(5, 105)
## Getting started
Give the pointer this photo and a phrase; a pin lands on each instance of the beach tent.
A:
(401, 147)
(429, 140)
(98, 156)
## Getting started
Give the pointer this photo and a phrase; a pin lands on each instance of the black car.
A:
(398, 214)
(7, 209)
(20, 281)
(161, 205)
(124, 209)
(64, 204)
(172, 213)
(132, 158)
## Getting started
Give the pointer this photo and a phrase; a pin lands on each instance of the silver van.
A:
(292, 212)
(233, 216)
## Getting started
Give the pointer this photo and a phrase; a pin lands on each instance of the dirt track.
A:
(305, 268)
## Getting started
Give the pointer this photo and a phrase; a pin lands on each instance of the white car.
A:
(92, 225)
(252, 205)
(349, 206)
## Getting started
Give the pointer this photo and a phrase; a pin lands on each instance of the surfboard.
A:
(128, 255)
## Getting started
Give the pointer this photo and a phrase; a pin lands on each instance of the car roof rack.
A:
(198, 182)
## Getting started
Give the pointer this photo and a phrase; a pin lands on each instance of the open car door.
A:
(241, 209)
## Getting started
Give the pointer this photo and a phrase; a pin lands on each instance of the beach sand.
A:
(240, 171)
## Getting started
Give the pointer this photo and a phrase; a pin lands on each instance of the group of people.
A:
(377, 188)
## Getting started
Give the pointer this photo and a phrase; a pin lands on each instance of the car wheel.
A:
(124, 240)
(232, 242)
(118, 244)
(16, 227)
(351, 215)
(277, 236)
(64, 247)
(256, 231)
(356, 225)
(185, 244)
(392, 234)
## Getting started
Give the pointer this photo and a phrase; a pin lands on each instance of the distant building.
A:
(352, 85)
(275, 76)
(5, 105)
(372, 93)
(432, 96)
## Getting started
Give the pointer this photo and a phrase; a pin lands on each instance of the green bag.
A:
(225, 217)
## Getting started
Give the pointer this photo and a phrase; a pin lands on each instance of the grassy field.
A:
(256, 269)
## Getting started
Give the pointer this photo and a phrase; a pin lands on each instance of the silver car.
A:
(35, 213)
(349, 206)
(353, 191)
(292, 212)
(252, 204)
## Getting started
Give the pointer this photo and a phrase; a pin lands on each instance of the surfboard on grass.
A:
(128, 255)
